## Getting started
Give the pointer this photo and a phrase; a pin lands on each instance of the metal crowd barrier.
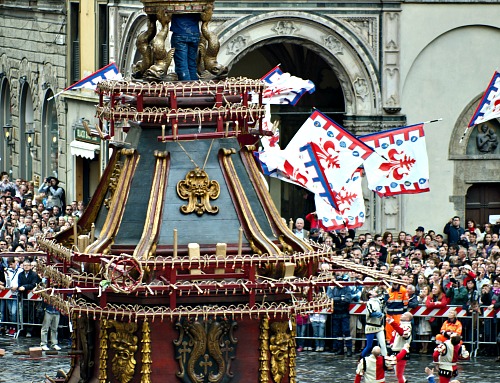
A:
(26, 315)
(478, 330)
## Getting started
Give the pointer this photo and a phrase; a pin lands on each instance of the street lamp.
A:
(7, 129)
(30, 140)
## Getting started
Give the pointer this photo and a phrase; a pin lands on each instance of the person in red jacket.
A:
(373, 367)
(437, 299)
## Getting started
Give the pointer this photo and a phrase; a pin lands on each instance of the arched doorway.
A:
(26, 124)
(328, 97)
(50, 136)
(482, 201)
(5, 118)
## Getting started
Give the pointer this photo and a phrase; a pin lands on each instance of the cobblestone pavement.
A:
(311, 367)
(326, 368)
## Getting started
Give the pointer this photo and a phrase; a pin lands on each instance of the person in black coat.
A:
(454, 231)
(27, 280)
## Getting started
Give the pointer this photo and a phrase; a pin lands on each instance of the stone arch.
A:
(134, 25)
(473, 168)
(348, 57)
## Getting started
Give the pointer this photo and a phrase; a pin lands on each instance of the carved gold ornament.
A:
(123, 345)
(205, 350)
(278, 347)
(198, 190)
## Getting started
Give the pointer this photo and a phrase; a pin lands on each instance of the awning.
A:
(83, 149)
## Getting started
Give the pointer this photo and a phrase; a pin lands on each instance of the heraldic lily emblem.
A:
(398, 166)
(328, 155)
(344, 199)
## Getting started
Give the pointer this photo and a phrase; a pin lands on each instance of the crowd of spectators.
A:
(459, 268)
(26, 214)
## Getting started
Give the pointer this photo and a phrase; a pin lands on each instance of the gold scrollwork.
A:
(292, 373)
(198, 190)
(103, 354)
(113, 183)
(204, 350)
(264, 351)
(147, 361)
(124, 345)
(278, 347)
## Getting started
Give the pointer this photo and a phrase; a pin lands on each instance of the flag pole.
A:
(431, 121)
(57, 94)
(463, 135)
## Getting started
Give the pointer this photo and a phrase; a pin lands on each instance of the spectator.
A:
(318, 322)
(50, 323)
(80, 209)
(467, 274)
(452, 326)
(299, 230)
(456, 292)
(302, 327)
(53, 193)
(436, 300)
(27, 280)
(68, 212)
(424, 329)
(401, 239)
(11, 282)
(418, 239)
(386, 238)
(342, 297)
(312, 218)
(472, 228)
(453, 230)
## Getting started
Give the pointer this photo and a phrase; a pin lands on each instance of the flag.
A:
(283, 88)
(489, 106)
(325, 155)
(322, 157)
(350, 212)
(109, 72)
(402, 166)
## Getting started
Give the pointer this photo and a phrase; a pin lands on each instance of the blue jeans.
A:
(341, 331)
(185, 56)
(369, 343)
(12, 309)
(319, 332)
(302, 332)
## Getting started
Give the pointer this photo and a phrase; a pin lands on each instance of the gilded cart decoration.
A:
(123, 345)
(277, 349)
(198, 190)
(205, 350)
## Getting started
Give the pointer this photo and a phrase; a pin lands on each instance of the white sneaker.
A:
(45, 348)
(56, 347)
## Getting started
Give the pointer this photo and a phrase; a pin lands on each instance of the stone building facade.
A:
(32, 70)
(376, 65)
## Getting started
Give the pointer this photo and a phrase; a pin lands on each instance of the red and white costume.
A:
(401, 336)
(373, 368)
(447, 355)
